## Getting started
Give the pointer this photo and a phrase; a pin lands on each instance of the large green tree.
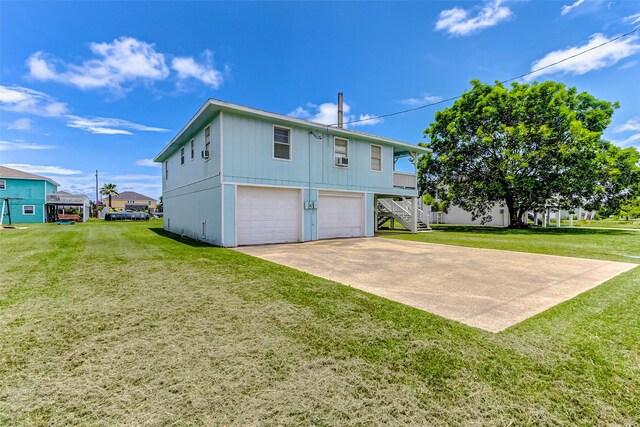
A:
(529, 146)
(619, 179)
(109, 190)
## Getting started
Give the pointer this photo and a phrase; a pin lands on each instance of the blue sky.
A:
(105, 85)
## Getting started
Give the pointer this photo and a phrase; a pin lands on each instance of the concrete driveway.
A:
(486, 288)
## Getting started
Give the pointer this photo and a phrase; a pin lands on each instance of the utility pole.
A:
(96, 188)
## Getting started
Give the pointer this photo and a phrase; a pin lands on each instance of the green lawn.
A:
(607, 223)
(614, 245)
(111, 323)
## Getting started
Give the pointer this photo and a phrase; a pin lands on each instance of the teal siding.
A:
(248, 159)
(204, 192)
(32, 192)
(229, 209)
(192, 196)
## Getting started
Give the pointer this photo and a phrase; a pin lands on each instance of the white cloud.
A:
(21, 145)
(108, 126)
(566, 9)
(630, 125)
(632, 19)
(458, 22)
(327, 114)
(123, 61)
(422, 100)
(628, 65)
(23, 124)
(367, 120)
(135, 176)
(631, 141)
(602, 57)
(147, 162)
(188, 68)
(121, 64)
(45, 170)
(23, 100)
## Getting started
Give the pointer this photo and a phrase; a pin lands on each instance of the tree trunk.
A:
(515, 215)
(109, 201)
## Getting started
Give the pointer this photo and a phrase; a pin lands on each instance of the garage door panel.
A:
(267, 215)
(340, 215)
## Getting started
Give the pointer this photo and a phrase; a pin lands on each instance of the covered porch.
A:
(404, 168)
(57, 205)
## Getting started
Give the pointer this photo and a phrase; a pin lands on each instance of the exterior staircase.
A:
(401, 211)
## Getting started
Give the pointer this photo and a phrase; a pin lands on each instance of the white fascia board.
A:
(215, 105)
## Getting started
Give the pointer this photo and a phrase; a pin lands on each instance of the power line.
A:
(453, 98)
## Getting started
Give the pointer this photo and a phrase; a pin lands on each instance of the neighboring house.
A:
(33, 198)
(130, 200)
(239, 176)
(457, 215)
(24, 195)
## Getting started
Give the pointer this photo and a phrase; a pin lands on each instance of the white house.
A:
(240, 176)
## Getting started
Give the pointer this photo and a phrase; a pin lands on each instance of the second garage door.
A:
(340, 215)
(268, 215)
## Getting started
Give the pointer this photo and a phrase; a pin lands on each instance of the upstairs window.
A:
(193, 149)
(182, 156)
(341, 152)
(376, 158)
(3, 184)
(166, 169)
(207, 139)
(281, 143)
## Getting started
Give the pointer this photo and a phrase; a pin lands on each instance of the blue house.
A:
(30, 198)
(24, 195)
(240, 176)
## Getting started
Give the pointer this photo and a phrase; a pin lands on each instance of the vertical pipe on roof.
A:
(340, 110)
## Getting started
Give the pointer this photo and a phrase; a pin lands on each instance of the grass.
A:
(607, 223)
(613, 245)
(111, 323)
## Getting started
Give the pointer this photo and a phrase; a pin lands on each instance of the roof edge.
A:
(228, 106)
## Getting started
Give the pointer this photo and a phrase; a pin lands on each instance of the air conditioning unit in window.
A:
(342, 161)
(206, 154)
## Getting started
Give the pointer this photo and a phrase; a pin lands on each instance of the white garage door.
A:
(340, 215)
(268, 215)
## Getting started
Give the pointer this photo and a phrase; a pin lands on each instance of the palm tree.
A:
(109, 190)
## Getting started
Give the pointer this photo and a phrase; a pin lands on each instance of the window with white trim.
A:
(166, 170)
(193, 149)
(207, 139)
(341, 152)
(182, 156)
(281, 143)
(3, 184)
(28, 210)
(376, 158)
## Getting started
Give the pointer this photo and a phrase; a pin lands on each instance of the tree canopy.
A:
(530, 146)
(619, 179)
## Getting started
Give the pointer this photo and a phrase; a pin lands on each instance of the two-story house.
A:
(24, 196)
(240, 176)
(131, 200)
(30, 198)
